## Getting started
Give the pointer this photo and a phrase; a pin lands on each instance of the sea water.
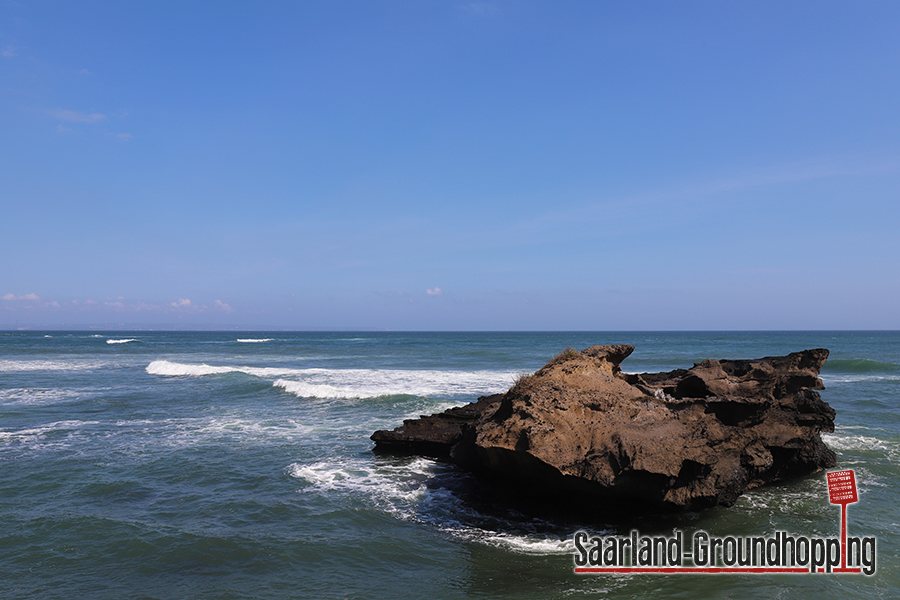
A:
(238, 465)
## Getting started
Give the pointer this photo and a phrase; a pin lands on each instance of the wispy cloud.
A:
(434, 291)
(73, 116)
(186, 305)
(219, 305)
(27, 301)
(32, 297)
(182, 305)
(9, 52)
(31, 302)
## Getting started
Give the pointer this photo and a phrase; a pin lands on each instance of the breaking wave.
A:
(354, 383)
(171, 369)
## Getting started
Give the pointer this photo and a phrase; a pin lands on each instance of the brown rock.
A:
(685, 439)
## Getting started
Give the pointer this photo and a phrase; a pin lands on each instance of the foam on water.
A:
(394, 487)
(38, 436)
(172, 369)
(193, 431)
(403, 490)
(355, 383)
(371, 383)
(39, 396)
(521, 544)
(114, 341)
(829, 379)
(254, 340)
(137, 436)
(15, 366)
(312, 390)
(786, 500)
(847, 443)
(190, 431)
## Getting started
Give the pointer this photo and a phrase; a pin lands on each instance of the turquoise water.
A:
(239, 465)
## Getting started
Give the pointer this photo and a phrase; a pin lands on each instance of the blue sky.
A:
(431, 165)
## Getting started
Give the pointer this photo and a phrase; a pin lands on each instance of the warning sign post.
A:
(842, 490)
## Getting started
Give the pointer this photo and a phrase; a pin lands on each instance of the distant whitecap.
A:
(164, 367)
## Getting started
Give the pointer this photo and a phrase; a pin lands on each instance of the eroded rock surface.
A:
(685, 439)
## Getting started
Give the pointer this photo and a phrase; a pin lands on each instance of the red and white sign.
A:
(842, 487)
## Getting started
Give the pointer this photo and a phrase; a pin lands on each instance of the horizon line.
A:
(214, 329)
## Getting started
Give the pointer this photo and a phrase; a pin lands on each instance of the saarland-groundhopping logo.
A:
(781, 553)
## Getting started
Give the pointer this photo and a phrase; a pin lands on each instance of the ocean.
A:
(235, 465)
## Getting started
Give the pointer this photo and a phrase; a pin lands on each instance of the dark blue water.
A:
(239, 465)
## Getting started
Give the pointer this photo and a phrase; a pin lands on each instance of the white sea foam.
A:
(355, 383)
(392, 486)
(312, 390)
(370, 383)
(254, 341)
(39, 396)
(806, 499)
(13, 366)
(36, 436)
(172, 369)
(847, 443)
(521, 544)
(829, 380)
(120, 341)
(403, 491)
(190, 432)
(134, 436)
(286, 429)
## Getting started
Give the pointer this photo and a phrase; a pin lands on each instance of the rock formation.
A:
(685, 439)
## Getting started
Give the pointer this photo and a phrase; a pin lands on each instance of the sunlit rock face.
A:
(686, 439)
